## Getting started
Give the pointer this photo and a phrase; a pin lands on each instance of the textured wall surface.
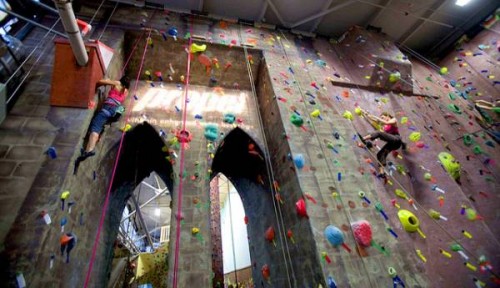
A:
(295, 76)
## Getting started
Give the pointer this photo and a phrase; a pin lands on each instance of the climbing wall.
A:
(335, 223)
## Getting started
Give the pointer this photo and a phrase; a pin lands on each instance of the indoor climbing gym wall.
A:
(282, 116)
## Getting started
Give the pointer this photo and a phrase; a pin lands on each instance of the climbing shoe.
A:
(403, 146)
(369, 144)
(85, 154)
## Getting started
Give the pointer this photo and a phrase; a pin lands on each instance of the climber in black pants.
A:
(390, 135)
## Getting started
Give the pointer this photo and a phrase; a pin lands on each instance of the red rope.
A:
(181, 166)
(108, 193)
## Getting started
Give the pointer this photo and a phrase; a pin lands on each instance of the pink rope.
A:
(108, 193)
(181, 167)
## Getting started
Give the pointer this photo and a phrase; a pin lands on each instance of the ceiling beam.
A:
(263, 11)
(322, 13)
(149, 233)
(276, 12)
(420, 23)
(457, 32)
(412, 15)
(380, 12)
(145, 203)
(141, 220)
(318, 20)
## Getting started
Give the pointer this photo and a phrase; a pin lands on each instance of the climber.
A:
(116, 96)
(390, 135)
(489, 122)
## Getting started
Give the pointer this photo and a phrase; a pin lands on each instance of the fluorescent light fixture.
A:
(462, 3)
(157, 212)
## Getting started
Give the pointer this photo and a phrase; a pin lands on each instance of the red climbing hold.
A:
(300, 206)
(184, 136)
(362, 232)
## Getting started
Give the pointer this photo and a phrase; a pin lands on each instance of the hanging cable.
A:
(107, 22)
(231, 227)
(340, 191)
(96, 11)
(40, 42)
(270, 174)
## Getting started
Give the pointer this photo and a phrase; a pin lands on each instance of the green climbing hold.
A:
(452, 96)
(467, 140)
(477, 150)
(296, 120)
(496, 109)
(455, 109)
(451, 165)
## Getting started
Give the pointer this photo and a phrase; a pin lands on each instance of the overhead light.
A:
(462, 3)
(157, 212)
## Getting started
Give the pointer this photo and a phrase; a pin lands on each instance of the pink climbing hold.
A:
(362, 232)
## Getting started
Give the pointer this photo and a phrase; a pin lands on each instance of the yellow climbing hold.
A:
(65, 195)
(347, 115)
(194, 48)
(414, 136)
(401, 194)
(315, 113)
(126, 127)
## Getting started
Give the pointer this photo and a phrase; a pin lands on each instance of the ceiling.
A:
(424, 25)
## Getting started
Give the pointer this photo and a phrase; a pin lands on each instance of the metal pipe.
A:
(33, 22)
(75, 38)
(141, 219)
(145, 203)
(45, 6)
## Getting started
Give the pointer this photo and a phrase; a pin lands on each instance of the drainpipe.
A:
(75, 39)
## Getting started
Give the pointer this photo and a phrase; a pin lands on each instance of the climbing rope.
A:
(108, 193)
(397, 182)
(181, 165)
(270, 174)
(338, 189)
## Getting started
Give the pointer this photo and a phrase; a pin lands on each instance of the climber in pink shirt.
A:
(116, 96)
(390, 135)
